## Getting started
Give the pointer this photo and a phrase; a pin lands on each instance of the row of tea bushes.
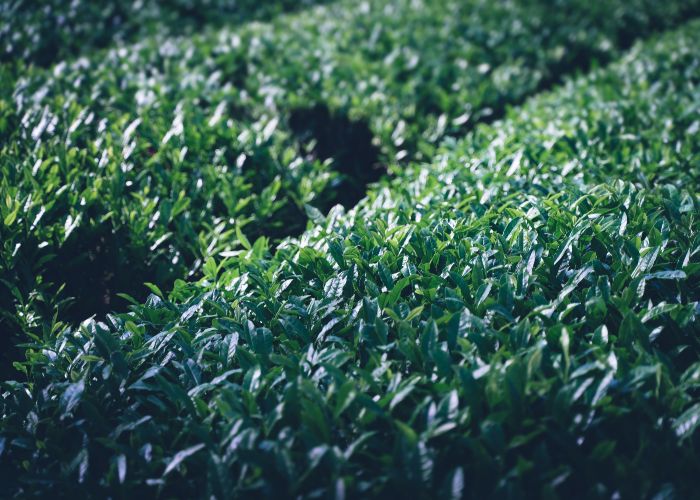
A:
(49, 31)
(138, 163)
(517, 317)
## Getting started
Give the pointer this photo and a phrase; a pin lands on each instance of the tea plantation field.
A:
(350, 249)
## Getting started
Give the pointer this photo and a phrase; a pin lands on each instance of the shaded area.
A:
(9, 336)
(323, 134)
(98, 262)
(94, 265)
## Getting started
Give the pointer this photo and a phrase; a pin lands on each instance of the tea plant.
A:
(53, 30)
(516, 317)
(138, 163)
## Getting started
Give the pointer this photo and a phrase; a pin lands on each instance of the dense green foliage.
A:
(517, 316)
(138, 163)
(46, 31)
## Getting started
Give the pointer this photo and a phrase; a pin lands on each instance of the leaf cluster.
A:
(516, 317)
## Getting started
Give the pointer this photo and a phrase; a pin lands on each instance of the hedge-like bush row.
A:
(47, 31)
(138, 163)
(517, 318)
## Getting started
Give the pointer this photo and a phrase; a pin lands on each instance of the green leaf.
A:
(408, 433)
(154, 288)
(11, 217)
(242, 238)
(180, 457)
(71, 397)
(666, 275)
(688, 422)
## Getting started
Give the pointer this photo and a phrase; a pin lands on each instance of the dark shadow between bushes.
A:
(94, 265)
(98, 262)
(323, 135)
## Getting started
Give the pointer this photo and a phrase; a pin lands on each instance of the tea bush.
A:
(516, 317)
(139, 162)
(49, 31)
